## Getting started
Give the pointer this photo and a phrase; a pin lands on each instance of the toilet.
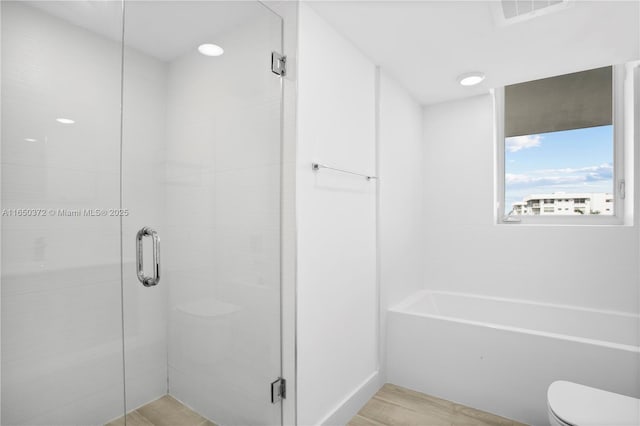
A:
(571, 404)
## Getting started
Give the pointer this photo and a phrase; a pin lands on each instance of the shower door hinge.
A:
(278, 390)
(278, 64)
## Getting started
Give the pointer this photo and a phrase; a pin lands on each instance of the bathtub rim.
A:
(401, 308)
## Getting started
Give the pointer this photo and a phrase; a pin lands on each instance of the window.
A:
(560, 144)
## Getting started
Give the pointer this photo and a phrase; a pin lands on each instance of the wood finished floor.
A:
(165, 411)
(396, 406)
(391, 406)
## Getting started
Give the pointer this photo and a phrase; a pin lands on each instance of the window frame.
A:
(621, 92)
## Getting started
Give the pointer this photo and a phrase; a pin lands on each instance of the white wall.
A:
(401, 192)
(401, 216)
(594, 266)
(336, 218)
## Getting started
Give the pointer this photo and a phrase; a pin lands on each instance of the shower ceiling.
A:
(425, 45)
(162, 33)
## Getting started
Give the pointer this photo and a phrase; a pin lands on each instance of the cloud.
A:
(527, 180)
(604, 169)
(516, 143)
(558, 177)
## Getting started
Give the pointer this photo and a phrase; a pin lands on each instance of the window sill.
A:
(566, 221)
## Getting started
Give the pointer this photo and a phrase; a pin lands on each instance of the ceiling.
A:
(425, 45)
(162, 29)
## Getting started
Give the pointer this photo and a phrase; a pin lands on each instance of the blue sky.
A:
(578, 160)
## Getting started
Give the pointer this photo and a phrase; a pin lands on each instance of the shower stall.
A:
(141, 209)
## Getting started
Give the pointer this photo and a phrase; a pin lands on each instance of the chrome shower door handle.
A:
(148, 281)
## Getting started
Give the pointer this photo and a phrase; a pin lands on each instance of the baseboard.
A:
(350, 406)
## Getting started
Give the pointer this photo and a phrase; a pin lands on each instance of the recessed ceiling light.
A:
(65, 120)
(31, 140)
(471, 78)
(209, 49)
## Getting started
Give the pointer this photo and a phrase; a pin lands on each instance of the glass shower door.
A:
(61, 289)
(201, 170)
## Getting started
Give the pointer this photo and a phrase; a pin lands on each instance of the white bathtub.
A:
(500, 355)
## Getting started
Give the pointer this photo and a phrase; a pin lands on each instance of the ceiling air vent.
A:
(512, 11)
